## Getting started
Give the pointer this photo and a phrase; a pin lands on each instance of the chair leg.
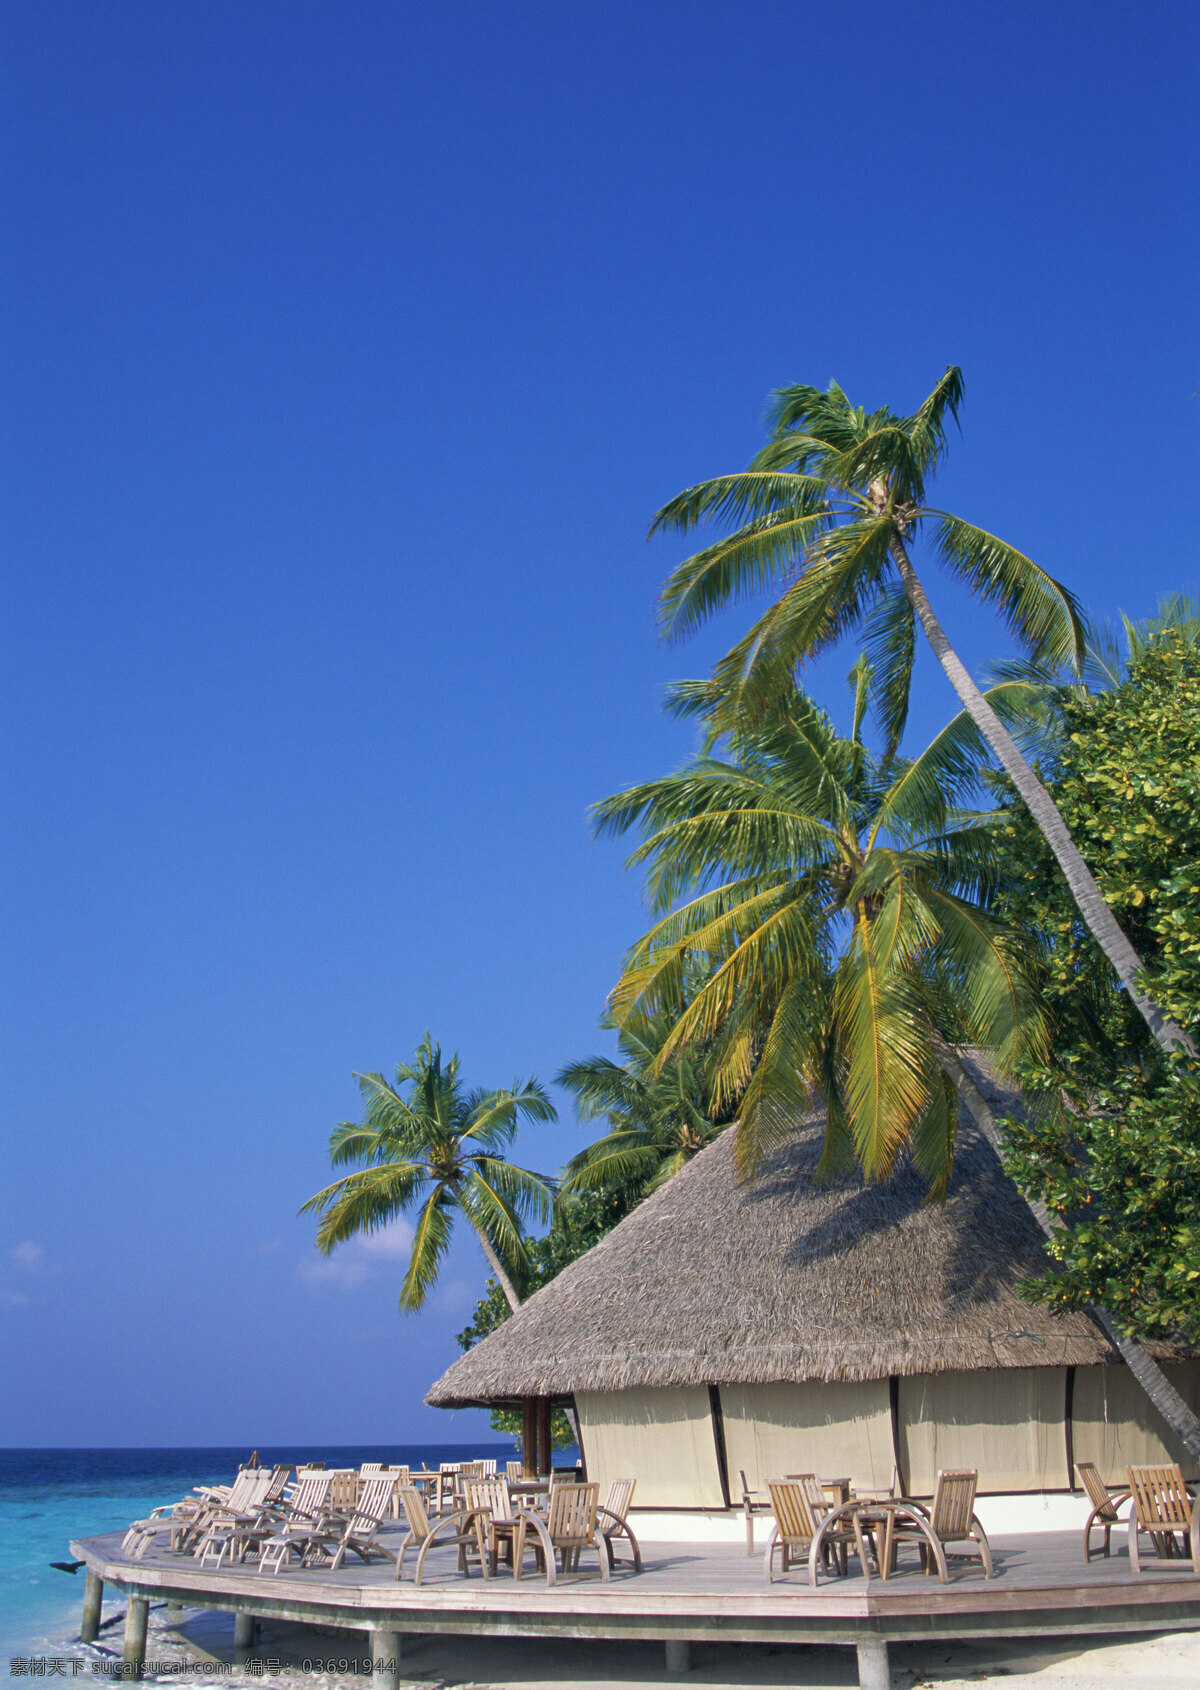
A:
(1134, 1558)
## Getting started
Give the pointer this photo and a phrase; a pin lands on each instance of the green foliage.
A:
(838, 910)
(443, 1144)
(581, 1219)
(1112, 1144)
(659, 1114)
(1126, 777)
(1121, 1165)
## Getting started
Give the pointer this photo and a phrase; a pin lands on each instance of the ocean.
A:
(49, 1496)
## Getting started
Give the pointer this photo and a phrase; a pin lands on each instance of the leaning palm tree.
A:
(443, 1144)
(830, 506)
(658, 1115)
(841, 910)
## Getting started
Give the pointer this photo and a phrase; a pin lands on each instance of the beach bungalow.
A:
(843, 1329)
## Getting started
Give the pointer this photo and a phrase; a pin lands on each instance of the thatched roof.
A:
(784, 1279)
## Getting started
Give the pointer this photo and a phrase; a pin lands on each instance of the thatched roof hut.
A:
(844, 1326)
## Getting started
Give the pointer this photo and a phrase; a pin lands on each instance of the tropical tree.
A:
(800, 843)
(439, 1146)
(659, 1115)
(830, 506)
(839, 906)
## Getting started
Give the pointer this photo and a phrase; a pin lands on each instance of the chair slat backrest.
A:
(311, 1493)
(279, 1480)
(1097, 1490)
(954, 1503)
(415, 1513)
(573, 1512)
(791, 1511)
(487, 1469)
(491, 1494)
(1160, 1497)
(817, 1502)
(516, 1471)
(243, 1489)
(374, 1501)
(620, 1495)
(370, 1467)
(343, 1492)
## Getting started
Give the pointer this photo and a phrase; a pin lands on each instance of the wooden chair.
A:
(515, 1471)
(454, 1529)
(613, 1518)
(794, 1527)
(753, 1502)
(952, 1519)
(818, 1502)
(1104, 1506)
(489, 1509)
(1163, 1509)
(568, 1529)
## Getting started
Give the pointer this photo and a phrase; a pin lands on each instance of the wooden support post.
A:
(137, 1611)
(93, 1595)
(679, 1654)
(529, 1437)
(385, 1660)
(874, 1669)
(543, 1423)
(243, 1631)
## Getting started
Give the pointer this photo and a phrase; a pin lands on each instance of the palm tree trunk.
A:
(497, 1267)
(1101, 922)
(1149, 1375)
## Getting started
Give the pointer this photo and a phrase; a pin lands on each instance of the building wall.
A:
(1011, 1424)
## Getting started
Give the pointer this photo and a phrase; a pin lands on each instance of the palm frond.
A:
(1041, 613)
(431, 1240)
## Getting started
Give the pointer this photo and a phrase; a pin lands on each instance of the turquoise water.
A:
(48, 1497)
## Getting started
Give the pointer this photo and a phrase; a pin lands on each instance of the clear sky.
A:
(348, 350)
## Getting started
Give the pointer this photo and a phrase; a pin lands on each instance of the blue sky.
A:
(347, 352)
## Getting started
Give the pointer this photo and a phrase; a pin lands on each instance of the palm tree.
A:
(440, 1144)
(658, 1117)
(840, 909)
(849, 943)
(830, 505)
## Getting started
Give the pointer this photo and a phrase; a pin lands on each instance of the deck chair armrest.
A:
(618, 1524)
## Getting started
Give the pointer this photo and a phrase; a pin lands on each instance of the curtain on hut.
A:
(836, 1430)
(1114, 1423)
(663, 1439)
(1009, 1423)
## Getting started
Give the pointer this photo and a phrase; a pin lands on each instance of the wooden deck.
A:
(686, 1593)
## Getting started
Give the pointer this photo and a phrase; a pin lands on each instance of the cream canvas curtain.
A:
(835, 1431)
(1009, 1424)
(1114, 1423)
(663, 1439)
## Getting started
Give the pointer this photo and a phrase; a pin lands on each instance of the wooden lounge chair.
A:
(327, 1542)
(613, 1519)
(1162, 1508)
(951, 1519)
(232, 1537)
(1104, 1506)
(187, 1516)
(570, 1527)
(453, 1529)
(753, 1502)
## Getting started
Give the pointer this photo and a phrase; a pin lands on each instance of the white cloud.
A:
(269, 1246)
(352, 1264)
(28, 1255)
(395, 1239)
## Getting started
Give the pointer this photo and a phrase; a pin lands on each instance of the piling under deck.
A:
(686, 1593)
